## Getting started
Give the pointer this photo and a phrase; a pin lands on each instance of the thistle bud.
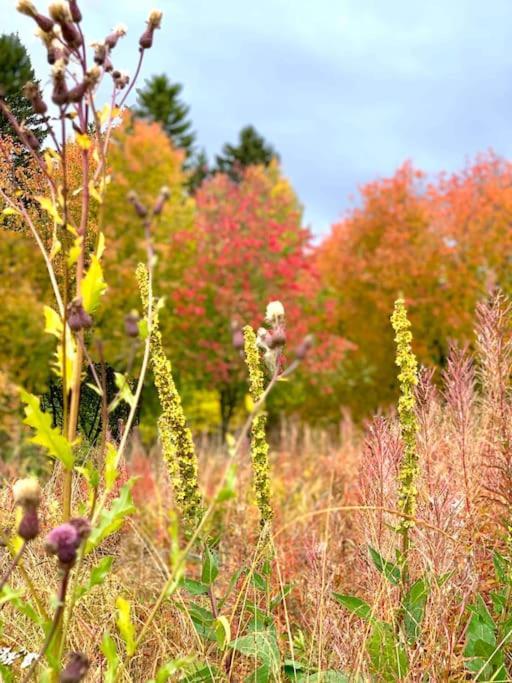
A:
(78, 318)
(76, 94)
(155, 18)
(31, 141)
(26, 7)
(131, 324)
(274, 313)
(75, 669)
(154, 22)
(29, 525)
(164, 195)
(304, 347)
(63, 541)
(277, 338)
(33, 94)
(82, 526)
(27, 492)
(76, 14)
(237, 336)
(117, 32)
(59, 12)
(121, 79)
(60, 89)
(140, 209)
(100, 53)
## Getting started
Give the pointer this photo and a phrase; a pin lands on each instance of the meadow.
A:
(229, 454)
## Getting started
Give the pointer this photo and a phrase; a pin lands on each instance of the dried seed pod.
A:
(76, 14)
(304, 347)
(33, 94)
(164, 195)
(140, 209)
(30, 138)
(60, 93)
(118, 32)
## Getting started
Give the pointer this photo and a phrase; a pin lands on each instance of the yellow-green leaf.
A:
(125, 624)
(222, 631)
(83, 141)
(111, 462)
(93, 286)
(45, 435)
(9, 211)
(47, 205)
(53, 326)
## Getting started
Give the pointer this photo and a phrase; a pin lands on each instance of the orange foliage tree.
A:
(441, 244)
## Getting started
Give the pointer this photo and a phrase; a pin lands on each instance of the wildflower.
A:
(28, 8)
(60, 93)
(75, 669)
(27, 494)
(154, 22)
(408, 379)
(259, 445)
(121, 79)
(176, 438)
(61, 13)
(64, 542)
(117, 32)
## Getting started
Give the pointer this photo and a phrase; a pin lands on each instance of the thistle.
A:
(176, 438)
(259, 445)
(408, 378)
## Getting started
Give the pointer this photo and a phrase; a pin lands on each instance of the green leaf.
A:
(261, 646)
(108, 647)
(93, 286)
(222, 632)
(355, 605)
(210, 569)
(47, 436)
(388, 569)
(111, 520)
(501, 568)
(414, 609)
(124, 392)
(164, 673)
(125, 624)
(98, 575)
(194, 587)
(389, 661)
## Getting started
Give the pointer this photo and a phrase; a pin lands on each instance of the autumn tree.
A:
(250, 248)
(441, 244)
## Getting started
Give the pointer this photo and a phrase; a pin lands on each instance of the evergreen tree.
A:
(159, 101)
(16, 70)
(199, 170)
(251, 150)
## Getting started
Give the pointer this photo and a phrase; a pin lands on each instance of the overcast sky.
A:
(346, 90)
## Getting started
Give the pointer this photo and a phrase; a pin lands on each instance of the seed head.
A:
(155, 18)
(274, 312)
(29, 525)
(27, 492)
(60, 12)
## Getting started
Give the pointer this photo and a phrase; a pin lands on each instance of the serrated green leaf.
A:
(112, 519)
(97, 576)
(49, 437)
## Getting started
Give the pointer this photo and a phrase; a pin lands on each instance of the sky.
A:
(345, 90)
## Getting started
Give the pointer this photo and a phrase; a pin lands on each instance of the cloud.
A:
(346, 90)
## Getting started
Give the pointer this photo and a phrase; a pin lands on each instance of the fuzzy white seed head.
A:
(27, 491)
(155, 18)
(120, 30)
(59, 11)
(274, 312)
(26, 7)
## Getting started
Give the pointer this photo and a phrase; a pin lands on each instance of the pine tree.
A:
(252, 150)
(16, 70)
(159, 101)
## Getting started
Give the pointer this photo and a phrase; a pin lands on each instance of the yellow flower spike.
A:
(176, 438)
(408, 378)
(259, 445)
